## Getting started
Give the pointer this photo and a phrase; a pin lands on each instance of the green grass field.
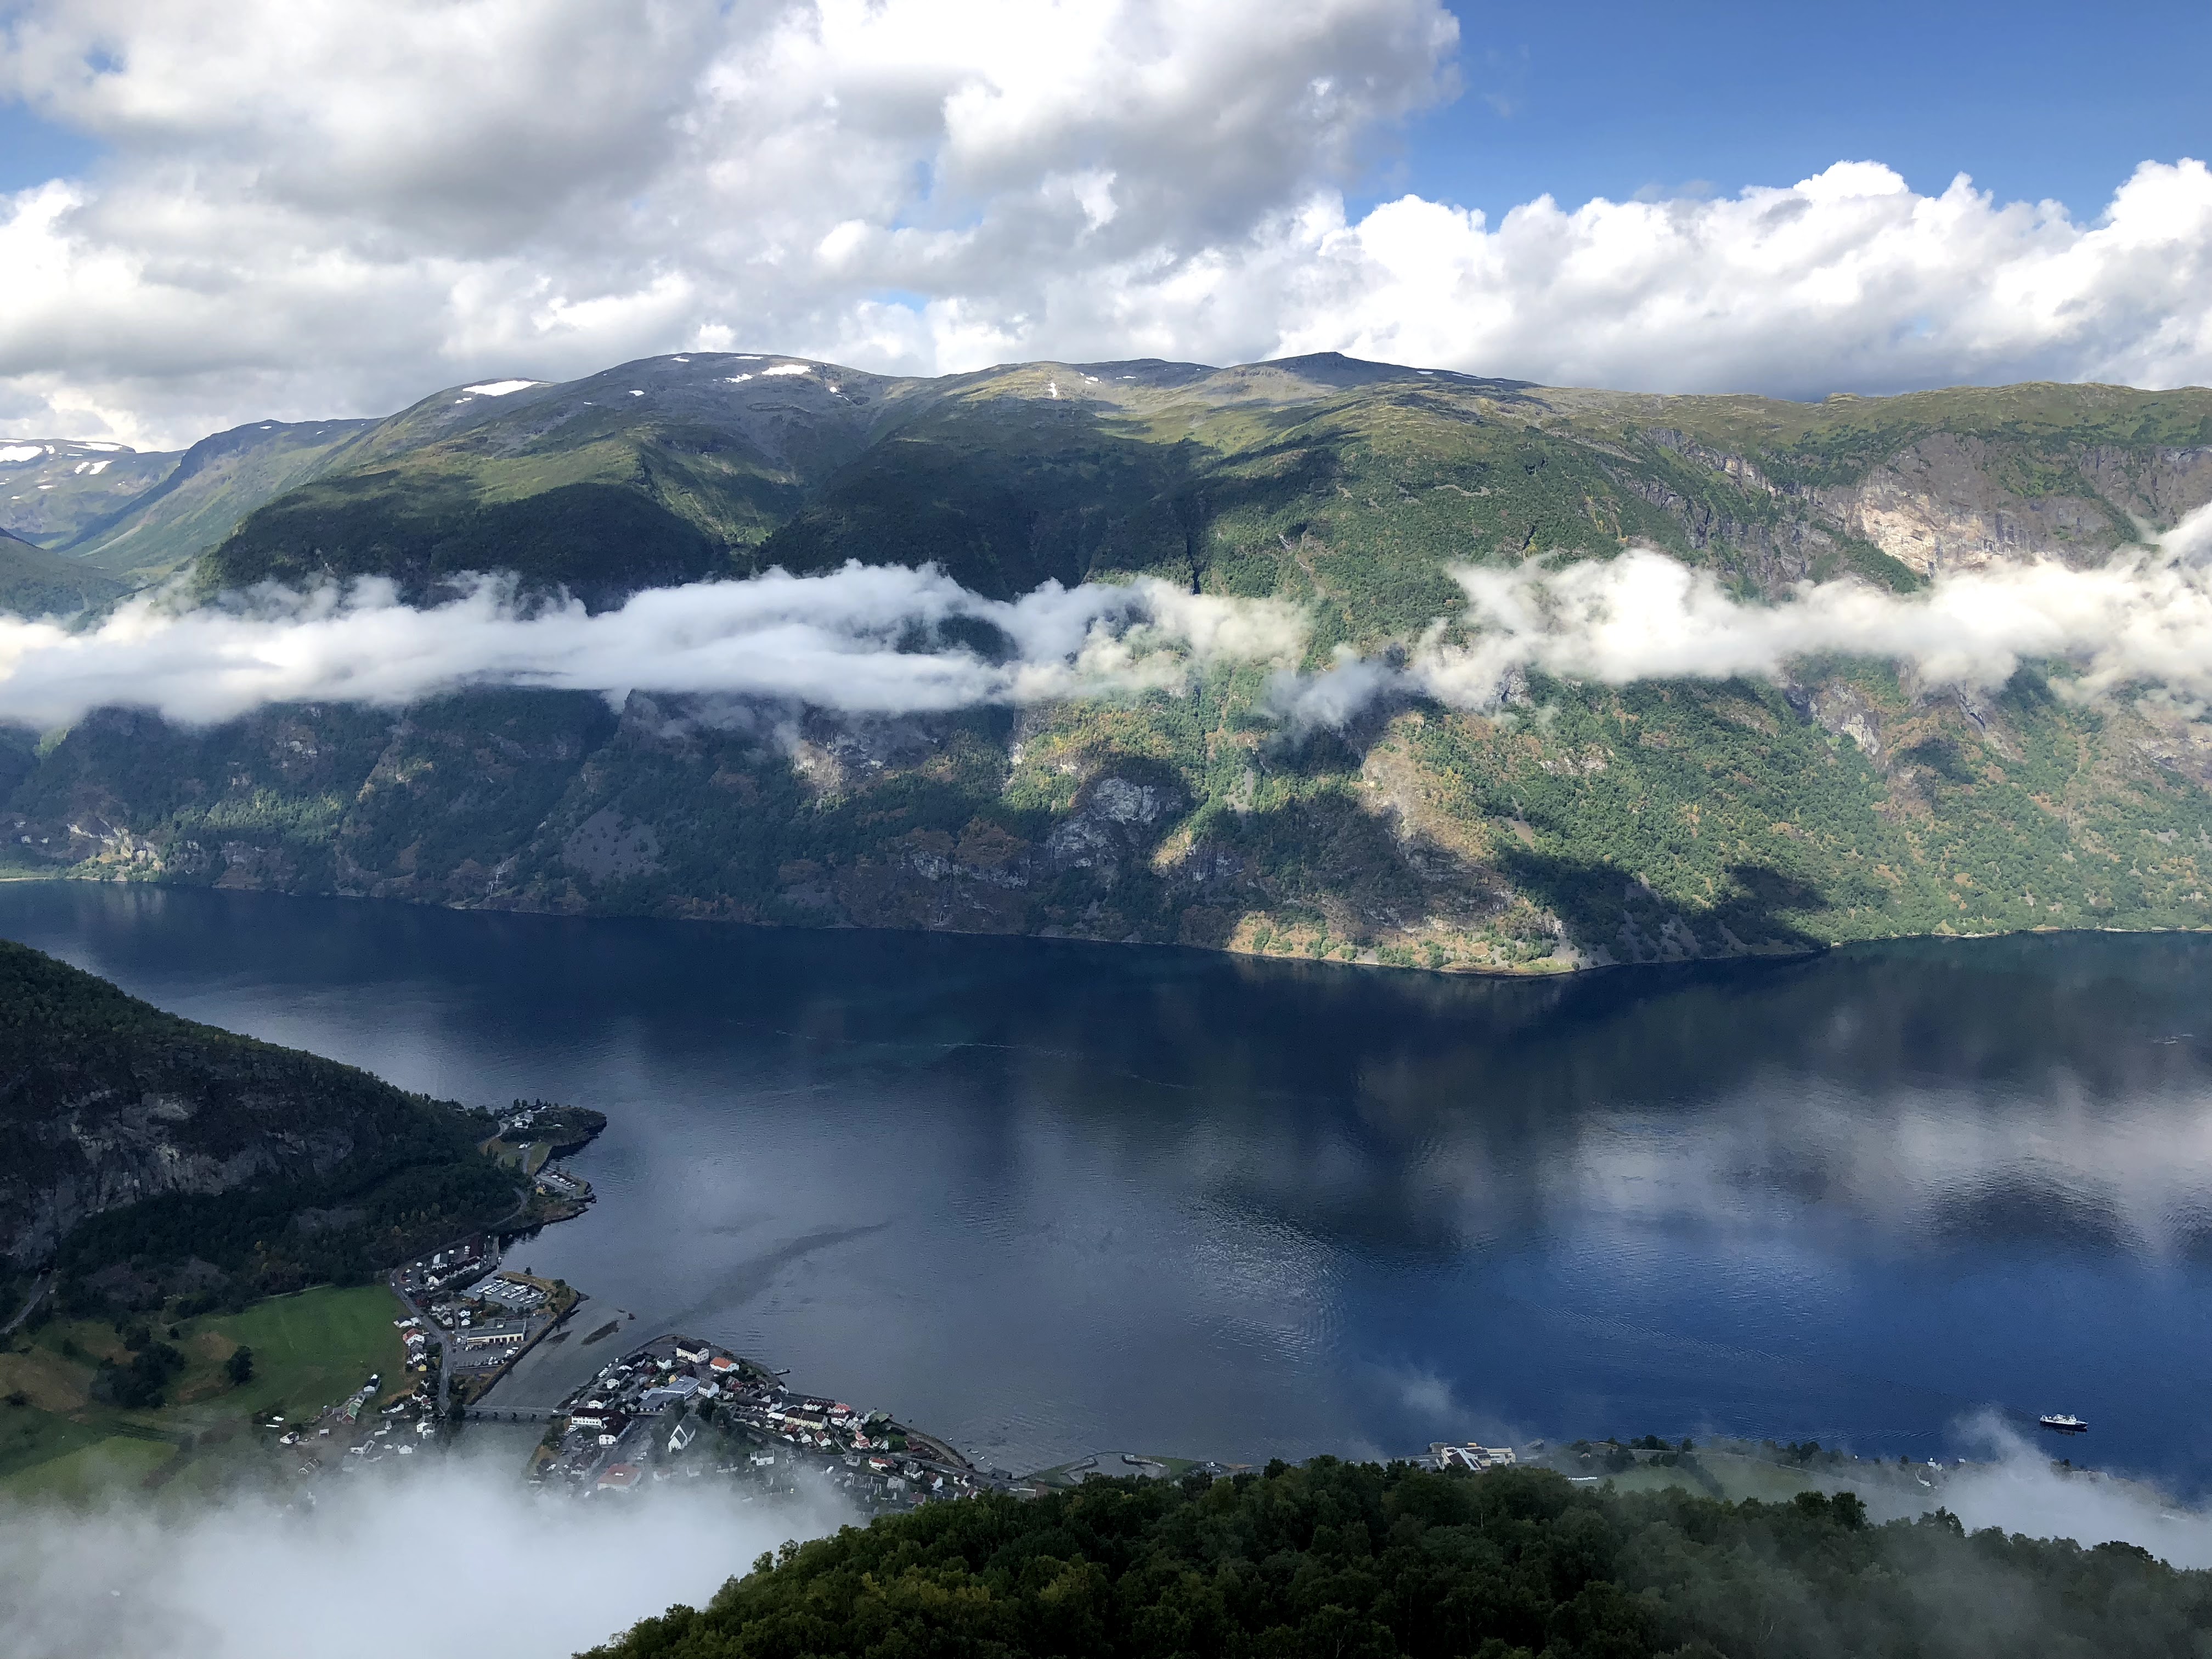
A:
(1737, 1477)
(106, 1464)
(313, 1349)
(310, 1349)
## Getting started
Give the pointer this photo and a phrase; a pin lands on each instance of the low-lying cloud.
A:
(888, 640)
(2020, 1488)
(862, 640)
(2143, 619)
(459, 1557)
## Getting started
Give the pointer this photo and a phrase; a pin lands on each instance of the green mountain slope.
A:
(34, 582)
(1572, 826)
(653, 474)
(213, 484)
(135, 1136)
(128, 519)
(1350, 483)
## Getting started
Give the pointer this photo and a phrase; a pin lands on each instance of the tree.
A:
(1332, 1560)
(239, 1368)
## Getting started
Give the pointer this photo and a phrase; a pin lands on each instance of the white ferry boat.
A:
(2064, 1423)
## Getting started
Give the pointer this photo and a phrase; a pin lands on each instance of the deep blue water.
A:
(1045, 1198)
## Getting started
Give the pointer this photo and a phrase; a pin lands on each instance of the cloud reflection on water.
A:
(1151, 1199)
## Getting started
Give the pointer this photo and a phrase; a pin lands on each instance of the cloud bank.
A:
(862, 640)
(455, 1559)
(888, 640)
(315, 210)
(2017, 1488)
(459, 1557)
(2143, 619)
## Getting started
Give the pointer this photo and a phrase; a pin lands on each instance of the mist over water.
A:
(1045, 1198)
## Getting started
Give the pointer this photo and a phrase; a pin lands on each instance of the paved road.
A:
(39, 1288)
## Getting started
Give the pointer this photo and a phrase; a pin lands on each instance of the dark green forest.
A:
(295, 1169)
(1356, 1561)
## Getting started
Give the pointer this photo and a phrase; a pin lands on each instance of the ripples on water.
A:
(1046, 1198)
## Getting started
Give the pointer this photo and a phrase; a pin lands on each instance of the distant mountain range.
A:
(1580, 825)
(126, 519)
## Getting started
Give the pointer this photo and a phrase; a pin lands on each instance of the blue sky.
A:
(2033, 100)
(32, 151)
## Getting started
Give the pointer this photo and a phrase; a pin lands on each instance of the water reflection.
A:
(1047, 1197)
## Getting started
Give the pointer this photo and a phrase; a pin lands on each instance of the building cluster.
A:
(493, 1319)
(389, 1439)
(449, 1271)
(1444, 1455)
(347, 1435)
(478, 1317)
(419, 1347)
(681, 1408)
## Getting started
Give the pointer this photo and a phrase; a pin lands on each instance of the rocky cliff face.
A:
(1948, 502)
(104, 1147)
(107, 1103)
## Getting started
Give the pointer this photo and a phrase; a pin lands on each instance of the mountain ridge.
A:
(1575, 825)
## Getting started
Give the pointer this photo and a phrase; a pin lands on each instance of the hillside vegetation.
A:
(36, 583)
(147, 1156)
(1572, 826)
(1353, 1561)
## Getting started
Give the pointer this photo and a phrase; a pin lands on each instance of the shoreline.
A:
(1545, 969)
(636, 1419)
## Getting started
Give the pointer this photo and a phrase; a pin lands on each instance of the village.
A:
(468, 1321)
(356, 1433)
(678, 1408)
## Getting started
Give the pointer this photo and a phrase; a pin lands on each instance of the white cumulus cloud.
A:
(1845, 280)
(331, 208)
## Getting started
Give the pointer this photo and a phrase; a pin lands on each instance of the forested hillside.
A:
(34, 582)
(141, 1153)
(1353, 1561)
(1572, 825)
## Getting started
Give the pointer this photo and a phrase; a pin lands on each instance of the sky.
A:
(2031, 99)
(213, 211)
